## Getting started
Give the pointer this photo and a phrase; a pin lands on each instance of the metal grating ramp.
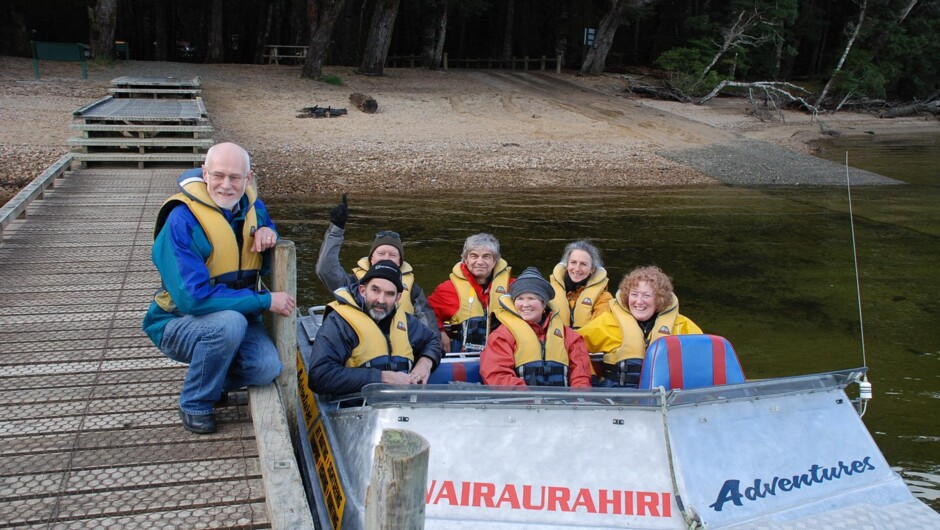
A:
(173, 111)
(155, 87)
(143, 130)
(89, 433)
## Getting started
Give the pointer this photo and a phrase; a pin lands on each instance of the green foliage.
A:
(910, 61)
(331, 79)
(685, 66)
(862, 79)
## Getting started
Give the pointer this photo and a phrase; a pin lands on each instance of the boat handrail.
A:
(823, 381)
(380, 395)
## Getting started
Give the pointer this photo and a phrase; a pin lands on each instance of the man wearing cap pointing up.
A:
(367, 337)
(532, 347)
(386, 245)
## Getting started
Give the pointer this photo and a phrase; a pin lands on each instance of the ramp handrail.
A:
(16, 207)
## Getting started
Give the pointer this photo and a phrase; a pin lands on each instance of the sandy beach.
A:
(433, 130)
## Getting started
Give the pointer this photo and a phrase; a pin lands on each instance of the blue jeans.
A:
(224, 352)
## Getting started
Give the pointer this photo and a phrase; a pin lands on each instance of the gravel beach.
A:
(443, 130)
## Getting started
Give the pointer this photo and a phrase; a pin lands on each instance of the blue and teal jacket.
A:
(184, 254)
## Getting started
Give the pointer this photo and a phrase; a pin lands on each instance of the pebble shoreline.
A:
(481, 139)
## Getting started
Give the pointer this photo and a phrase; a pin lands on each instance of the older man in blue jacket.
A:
(367, 337)
(209, 247)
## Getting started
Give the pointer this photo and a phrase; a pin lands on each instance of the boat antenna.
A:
(865, 393)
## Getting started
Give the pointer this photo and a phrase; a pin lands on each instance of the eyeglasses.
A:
(220, 177)
(387, 233)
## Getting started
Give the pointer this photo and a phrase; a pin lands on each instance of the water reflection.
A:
(771, 269)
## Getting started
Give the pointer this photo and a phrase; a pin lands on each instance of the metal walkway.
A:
(146, 121)
(89, 432)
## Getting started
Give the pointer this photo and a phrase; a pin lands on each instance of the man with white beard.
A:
(211, 246)
(367, 338)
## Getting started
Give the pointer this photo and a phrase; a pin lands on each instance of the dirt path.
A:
(632, 119)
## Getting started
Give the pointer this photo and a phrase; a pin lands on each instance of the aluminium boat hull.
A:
(782, 453)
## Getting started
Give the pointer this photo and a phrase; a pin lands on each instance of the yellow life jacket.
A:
(372, 342)
(226, 258)
(584, 306)
(465, 292)
(528, 346)
(407, 279)
(634, 343)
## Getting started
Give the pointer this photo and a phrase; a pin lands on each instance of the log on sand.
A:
(363, 102)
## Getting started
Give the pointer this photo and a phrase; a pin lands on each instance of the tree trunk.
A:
(380, 36)
(596, 56)
(845, 53)
(321, 15)
(561, 30)
(441, 33)
(216, 49)
(264, 32)
(300, 28)
(506, 54)
(435, 27)
(161, 37)
(428, 29)
(103, 19)
(17, 40)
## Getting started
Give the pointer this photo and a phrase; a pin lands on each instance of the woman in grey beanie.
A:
(533, 347)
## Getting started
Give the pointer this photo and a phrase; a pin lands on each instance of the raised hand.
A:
(340, 213)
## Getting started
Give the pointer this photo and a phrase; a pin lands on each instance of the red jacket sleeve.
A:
(579, 362)
(497, 362)
(444, 302)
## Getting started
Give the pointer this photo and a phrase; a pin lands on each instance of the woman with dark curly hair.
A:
(644, 309)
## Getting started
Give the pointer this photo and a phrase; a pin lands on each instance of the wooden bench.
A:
(59, 51)
(276, 52)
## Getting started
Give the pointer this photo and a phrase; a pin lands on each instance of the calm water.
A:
(771, 269)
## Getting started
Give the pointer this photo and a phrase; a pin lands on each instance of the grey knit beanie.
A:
(387, 237)
(531, 281)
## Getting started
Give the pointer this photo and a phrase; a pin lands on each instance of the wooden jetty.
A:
(89, 431)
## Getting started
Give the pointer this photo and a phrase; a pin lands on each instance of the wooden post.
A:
(445, 62)
(395, 498)
(525, 63)
(284, 330)
(558, 60)
(543, 64)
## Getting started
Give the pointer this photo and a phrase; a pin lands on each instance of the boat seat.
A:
(690, 361)
(456, 371)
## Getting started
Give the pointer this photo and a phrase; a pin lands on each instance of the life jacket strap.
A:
(247, 282)
(390, 364)
(625, 373)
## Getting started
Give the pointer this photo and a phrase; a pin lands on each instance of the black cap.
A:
(387, 270)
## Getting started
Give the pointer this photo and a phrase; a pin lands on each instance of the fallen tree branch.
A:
(778, 88)
(665, 93)
(930, 107)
